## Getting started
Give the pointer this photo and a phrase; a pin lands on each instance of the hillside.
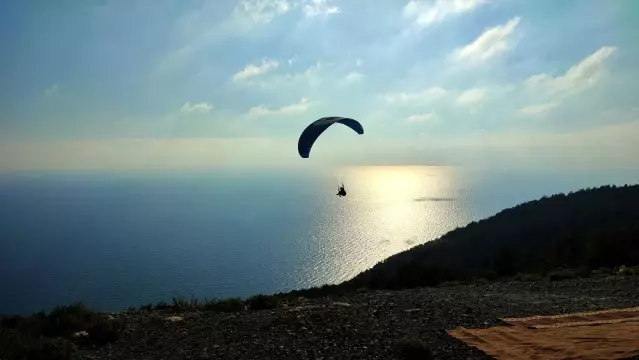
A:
(586, 229)
(407, 324)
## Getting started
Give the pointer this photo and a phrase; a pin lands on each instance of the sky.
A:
(177, 84)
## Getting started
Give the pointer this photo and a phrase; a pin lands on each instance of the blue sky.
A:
(199, 84)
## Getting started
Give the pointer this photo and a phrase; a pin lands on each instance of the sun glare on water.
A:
(388, 209)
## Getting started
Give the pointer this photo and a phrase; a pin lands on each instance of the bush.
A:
(629, 271)
(146, 308)
(104, 331)
(453, 283)
(15, 344)
(162, 306)
(563, 274)
(584, 272)
(410, 349)
(225, 305)
(528, 277)
(181, 304)
(263, 302)
(64, 321)
(131, 310)
(481, 281)
(603, 272)
(489, 275)
(51, 336)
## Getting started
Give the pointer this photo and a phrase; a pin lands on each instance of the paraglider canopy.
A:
(316, 128)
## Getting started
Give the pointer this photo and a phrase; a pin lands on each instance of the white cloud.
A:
(199, 32)
(471, 97)
(252, 70)
(425, 96)
(310, 77)
(54, 89)
(200, 108)
(424, 13)
(265, 11)
(319, 7)
(353, 76)
(538, 109)
(420, 118)
(298, 108)
(582, 76)
(261, 11)
(490, 43)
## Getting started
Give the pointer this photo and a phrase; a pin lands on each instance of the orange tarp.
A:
(600, 342)
(577, 319)
(602, 335)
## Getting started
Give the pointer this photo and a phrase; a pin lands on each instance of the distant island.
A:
(564, 236)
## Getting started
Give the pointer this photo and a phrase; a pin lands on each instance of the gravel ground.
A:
(365, 325)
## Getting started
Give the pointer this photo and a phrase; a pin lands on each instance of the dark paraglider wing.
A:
(316, 128)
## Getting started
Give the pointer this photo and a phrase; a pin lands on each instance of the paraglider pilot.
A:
(341, 191)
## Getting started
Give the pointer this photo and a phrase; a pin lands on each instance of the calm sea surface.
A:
(119, 240)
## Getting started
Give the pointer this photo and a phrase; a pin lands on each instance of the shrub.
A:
(528, 277)
(104, 331)
(602, 271)
(51, 336)
(162, 306)
(489, 275)
(453, 283)
(15, 344)
(225, 305)
(629, 271)
(584, 272)
(410, 349)
(263, 302)
(181, 304)
(64, 320)
(562, 275)
(481, 281)
(146, 308)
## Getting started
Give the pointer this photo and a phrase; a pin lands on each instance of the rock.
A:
(339, 303)
(174, 318)
(308, 307)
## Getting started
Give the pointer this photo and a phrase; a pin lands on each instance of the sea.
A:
(115, 239)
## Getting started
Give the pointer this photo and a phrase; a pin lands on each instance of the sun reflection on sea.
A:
(388, 209)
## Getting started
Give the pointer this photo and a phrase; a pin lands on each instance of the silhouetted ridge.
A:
(590, 228)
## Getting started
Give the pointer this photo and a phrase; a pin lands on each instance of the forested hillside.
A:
(585, 229)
